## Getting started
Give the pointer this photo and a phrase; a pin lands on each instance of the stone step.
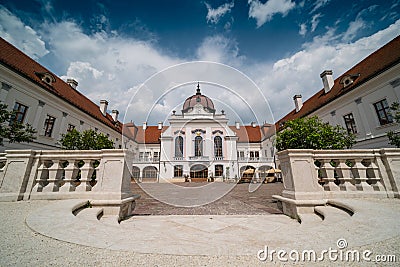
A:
(90, 214)
(332, 214)
(309, 218)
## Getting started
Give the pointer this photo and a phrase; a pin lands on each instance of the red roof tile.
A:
(17, 61)
(379, 61)
(247, 134)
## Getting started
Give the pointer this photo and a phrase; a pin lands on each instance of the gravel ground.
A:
(20, 246)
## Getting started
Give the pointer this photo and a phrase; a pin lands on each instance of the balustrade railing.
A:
(67, 173)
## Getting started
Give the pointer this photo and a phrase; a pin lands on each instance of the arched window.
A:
(198, 146)
(179, 147)
(218, 146)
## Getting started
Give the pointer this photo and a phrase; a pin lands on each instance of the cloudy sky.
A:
(112, 47)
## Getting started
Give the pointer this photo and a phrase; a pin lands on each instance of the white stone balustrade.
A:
(311, 177)
(102, 177)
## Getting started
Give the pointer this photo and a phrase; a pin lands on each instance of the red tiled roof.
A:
(17, 61)
(247, 134)
(149, 136)
(379, 61)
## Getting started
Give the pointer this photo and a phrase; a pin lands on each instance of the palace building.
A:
(197, 142)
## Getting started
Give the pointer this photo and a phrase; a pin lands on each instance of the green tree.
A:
(394, 138)
(13, 130)
(87, 140)
(313, 133)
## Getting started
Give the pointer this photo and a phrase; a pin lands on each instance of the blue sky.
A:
(112, 47)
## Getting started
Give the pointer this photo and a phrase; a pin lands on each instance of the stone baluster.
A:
(70, 173)
(328, 175)
(42, 175)
(360, 176)
(86, 176)
(54, 177)
(375, 181)
(345, 176)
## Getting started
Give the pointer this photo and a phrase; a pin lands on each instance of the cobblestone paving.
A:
(239, 201)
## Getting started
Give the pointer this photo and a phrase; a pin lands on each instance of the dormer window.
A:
(349, 79)
(46, 77)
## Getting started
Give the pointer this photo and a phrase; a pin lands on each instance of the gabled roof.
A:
(149, 136)
(20, 63)
(247, 134)
(373, 65)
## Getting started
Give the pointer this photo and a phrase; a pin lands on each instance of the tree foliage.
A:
(13, 130)
(87, 140)
(313, 133)
(394, 138)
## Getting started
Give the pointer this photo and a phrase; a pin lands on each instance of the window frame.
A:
(17, 112)
(218, 147)
(383, 110)
(49, 123)
(178, 171)
(350, 123)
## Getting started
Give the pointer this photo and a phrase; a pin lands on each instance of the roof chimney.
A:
(298, 102)
(114, 115)
(103, 107)
(237, 125)
(160, 125)
(144, 125)
(72, 83)
(253, 124)
(327, 80)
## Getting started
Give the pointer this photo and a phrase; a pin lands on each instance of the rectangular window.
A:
(19, 113)
(70, 127)
(219, 170)
(155, 154)
(141, 156)
(178, 171)
(49, 125)
(350, 123)
(257, 154)
(241, 154)
(252, 154)
(382, 110)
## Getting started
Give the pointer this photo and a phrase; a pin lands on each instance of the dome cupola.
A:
(198, 98)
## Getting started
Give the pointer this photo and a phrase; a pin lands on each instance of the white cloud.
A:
(24, 37)
(318, 4)
(315, 21)
(218, 48)
(112, 67)
(353, 29)
(214, 14)
(299, 73)
(264, 12)
(303, 29)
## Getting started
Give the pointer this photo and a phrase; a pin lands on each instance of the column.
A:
(39, 111)
(364, 118)
(188, 148)
(63, 127)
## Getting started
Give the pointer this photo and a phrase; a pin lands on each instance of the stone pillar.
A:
(63, 126)
(391, 172)
(39, 111)
(300, 180)
(364, 118)
(16, 174)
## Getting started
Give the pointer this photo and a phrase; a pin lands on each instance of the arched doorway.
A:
(135, 173)
(247, 173)
(149, 174)
(198, 173)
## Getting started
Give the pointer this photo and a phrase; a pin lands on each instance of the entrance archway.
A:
(198, 173)
(247, 173)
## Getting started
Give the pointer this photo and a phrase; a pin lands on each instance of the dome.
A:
(198, 98)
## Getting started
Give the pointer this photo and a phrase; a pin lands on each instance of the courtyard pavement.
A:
(46, 233)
